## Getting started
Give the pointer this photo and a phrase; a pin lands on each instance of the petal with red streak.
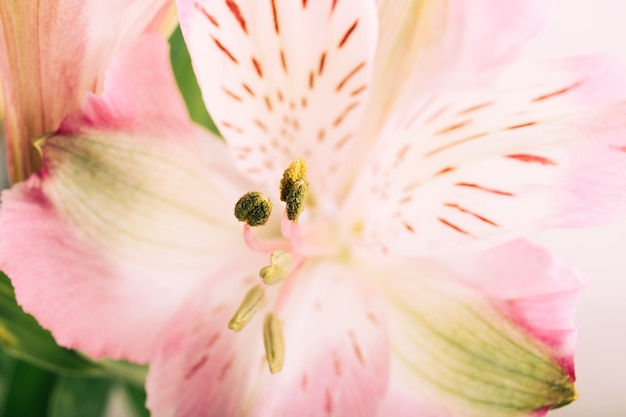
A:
(483, 335)
(336, 354)
(540, 146)
(132, 210)
(284, 79)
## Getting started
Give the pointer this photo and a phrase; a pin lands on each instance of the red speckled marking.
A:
(464, 210)
(346, 36)
(480, 187)
(523, 157)
(234, 9)
(452, 226)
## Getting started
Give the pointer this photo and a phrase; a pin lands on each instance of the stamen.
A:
(253, 208)
(278, 269)
(252, 302)
(274, 342)
(262, 246)
(294, 188)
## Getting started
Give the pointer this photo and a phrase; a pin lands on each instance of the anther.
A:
(278, 269)
(293, 188)
(274, 342)
(253, 208)
(252, 302)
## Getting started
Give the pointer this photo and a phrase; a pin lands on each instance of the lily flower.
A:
(365, 179)
(52, 53)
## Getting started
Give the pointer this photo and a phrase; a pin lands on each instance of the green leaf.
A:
(79, 397)
(186, 79)
(22, 337)
(28, 391)
(137, 397)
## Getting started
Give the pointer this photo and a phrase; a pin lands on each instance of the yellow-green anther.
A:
(278, 269)
(294, 187)
(253, 208)
(252, 302)
(274, 342)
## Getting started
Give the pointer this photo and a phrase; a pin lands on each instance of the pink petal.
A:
(336, 354)
(129, 215)
(426, 44)
(284, 79)
(52, 53)
(482, 349)
(540, 146)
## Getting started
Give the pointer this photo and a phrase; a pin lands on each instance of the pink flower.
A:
(125, 244)
(52, 53)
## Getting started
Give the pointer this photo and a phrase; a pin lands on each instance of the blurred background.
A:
(577, 26)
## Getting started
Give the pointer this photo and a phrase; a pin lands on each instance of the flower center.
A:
(286, 256)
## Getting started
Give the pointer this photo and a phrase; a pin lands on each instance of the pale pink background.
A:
(587, 26)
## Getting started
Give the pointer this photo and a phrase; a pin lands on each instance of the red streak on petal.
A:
(275, 14)
(358, 91)
(532, 159)
(489, 190)
(248, 89)
(346, 111)
(558, 92)
(226, 51)
(311, 80)
(268, 104)
(521, 125)
(234, 9)
(304, 4)
(332, 8)
(476, 107)
(372, 318)
(453, 127)
(321, 66)
(196, 367)
(408, 227)
(231, 94)
(349, 75)
(328, 404)
(464, 210)
(207, 15)
(224, 370)
(212, 340)
(346, 36)
(445, 170)
(283, 60)
(257, 67)
(453, 226)
(343, 141)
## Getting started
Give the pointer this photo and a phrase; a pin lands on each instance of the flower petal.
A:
(336, 355)
(52, 53)
(128, 215)
(428, 43)
(540, 146)
(477, 353)
(283, 79)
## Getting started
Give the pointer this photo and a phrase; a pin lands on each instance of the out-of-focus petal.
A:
(336, 354)
(132, 210)
(284, 79)
(428, 43)
(52, 53)
(465, 343)
(540, 146)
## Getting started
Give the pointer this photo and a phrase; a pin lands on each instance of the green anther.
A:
(253, 208)
(274, 342)
(252, 302)
(294, 188)
(278, 269)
